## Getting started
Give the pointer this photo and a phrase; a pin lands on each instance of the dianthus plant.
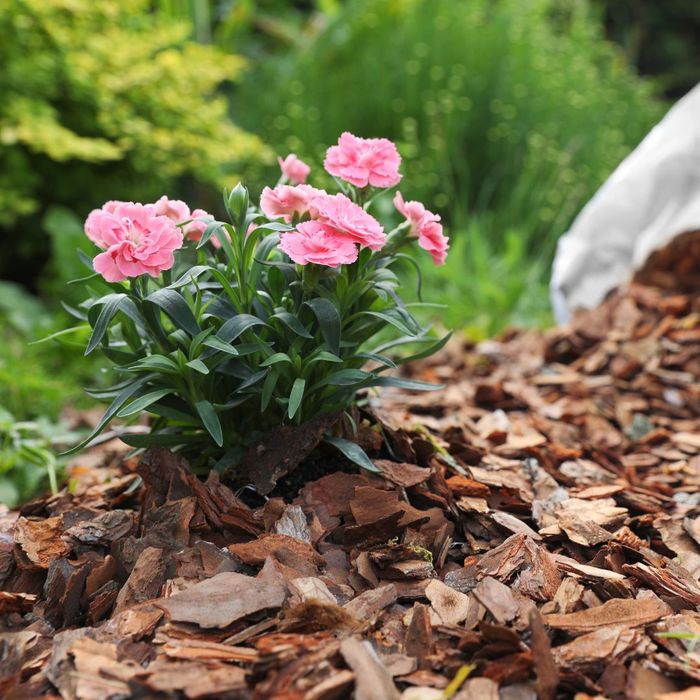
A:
(223, 330)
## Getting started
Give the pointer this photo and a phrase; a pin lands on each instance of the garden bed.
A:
(535, 534)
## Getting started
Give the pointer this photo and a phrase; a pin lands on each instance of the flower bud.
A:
(237, 203)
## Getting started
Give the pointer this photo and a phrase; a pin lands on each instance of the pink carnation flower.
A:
(178, 212)
(175, 209)
(294, 169)
(339, 213)
(364, 162)
(287, 201)
(426, 226)
(313, 242)
(135, 239)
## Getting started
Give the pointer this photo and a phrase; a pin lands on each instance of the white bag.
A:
(653, 196)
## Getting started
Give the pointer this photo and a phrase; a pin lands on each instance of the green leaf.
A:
(251, 380)
(328, 320)
(198, 341)
(192, 274)
(212, 227)
(162, 439)
(176, 308)
(388, 318)
(380, 359)
(324, 356)
(218, 344)
(198, 366)
(268, 387)
(156, 363)
(345, 377)
(293, 323)
(437, 345)
(354, 453)
(237, 325)
(401, 383)
(295, 397)
(142, 402)
(210, 421)
(276, 358)
(118, 402)
(110, 306)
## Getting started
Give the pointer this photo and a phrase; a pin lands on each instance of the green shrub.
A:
(39, 380)
(27, 458)
(103, 98)
(516, 109)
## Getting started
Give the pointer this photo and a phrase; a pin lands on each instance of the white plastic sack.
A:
(653, 196)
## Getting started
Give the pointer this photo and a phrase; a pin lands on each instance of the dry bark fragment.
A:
(419, 635)
(372, 680)
(40, 540)
(145, 580)
(223, 599)
(452, 606)
(497, 599)
(287, 550)
(616, 611)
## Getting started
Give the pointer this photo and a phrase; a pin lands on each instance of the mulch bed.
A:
(535, 534)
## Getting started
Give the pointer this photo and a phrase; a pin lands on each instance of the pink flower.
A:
(136, 240)
(364, 162)
(194, 230)
(178, 212)
(426, 226)
(287, 201)
(175, 209)
(313, 242)
(339, 213)
(432, 239)
(294, 169)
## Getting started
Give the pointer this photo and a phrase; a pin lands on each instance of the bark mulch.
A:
(535, 533)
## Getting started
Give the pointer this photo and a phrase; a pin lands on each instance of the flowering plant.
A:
(224, 330)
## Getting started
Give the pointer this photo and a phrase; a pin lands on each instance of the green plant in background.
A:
(27, 456)
(659, 38)
(489, 288)
(39, 380)
(513, 111)
(104, 97)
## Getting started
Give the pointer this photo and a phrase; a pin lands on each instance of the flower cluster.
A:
(278, 306)
(329, 228)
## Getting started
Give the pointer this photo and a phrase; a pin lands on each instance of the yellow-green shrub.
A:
(106, 98)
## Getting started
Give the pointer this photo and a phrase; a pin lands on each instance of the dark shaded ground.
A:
(535, 535)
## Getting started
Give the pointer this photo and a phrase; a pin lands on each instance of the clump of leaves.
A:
(28, 459)
(236, 337)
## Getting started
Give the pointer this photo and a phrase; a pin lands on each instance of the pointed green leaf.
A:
(237, 325)
(210, 421)
(137, 405)
(295, 397)
(268, 387)
(401, 383)
(198, 366)
(328, 320)
(176, 308)
(118, 402)
(110, 306)
(293, 323)
(354, 453)
(276, 358)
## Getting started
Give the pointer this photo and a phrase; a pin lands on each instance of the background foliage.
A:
(104, 100)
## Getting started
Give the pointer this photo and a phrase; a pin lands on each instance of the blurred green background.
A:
(509, 115)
